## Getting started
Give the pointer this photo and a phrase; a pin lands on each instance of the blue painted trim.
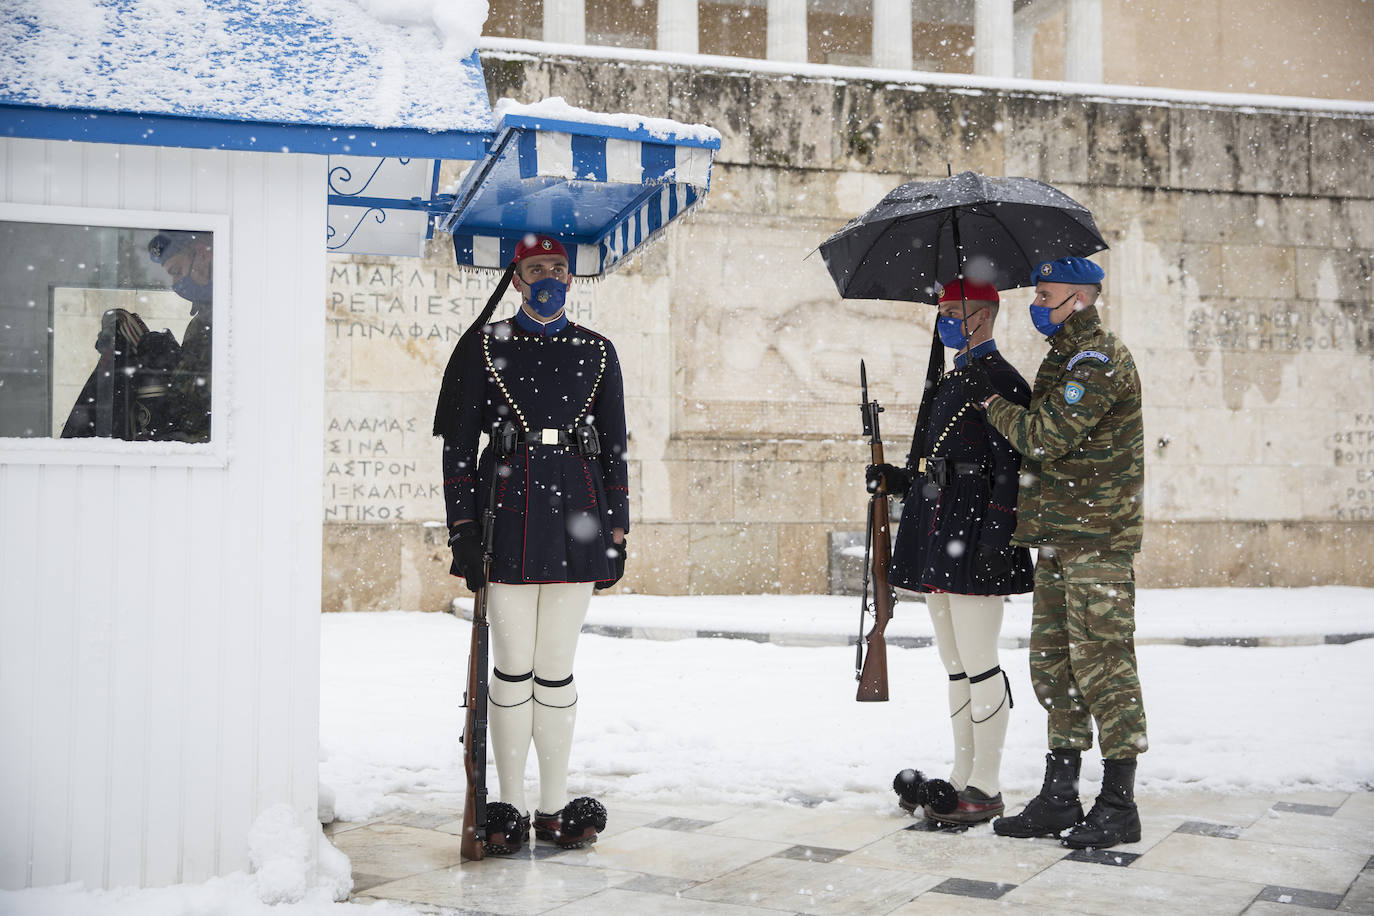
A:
(379, 217)
(390, 203)
(434, 199)
(587, 129)
(476, 177)
(589, 158)
(462, 249)
(515, 235)
(527, 153)
(657, 159)
(33, 122)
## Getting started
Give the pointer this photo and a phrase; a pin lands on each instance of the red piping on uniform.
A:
(591, 488)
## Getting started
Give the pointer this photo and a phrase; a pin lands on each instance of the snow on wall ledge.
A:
(364, 63)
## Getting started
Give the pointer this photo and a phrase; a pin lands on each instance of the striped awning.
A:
(601, 189)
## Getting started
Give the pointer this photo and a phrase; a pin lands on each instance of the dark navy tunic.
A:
(554, 508)
(941, 528)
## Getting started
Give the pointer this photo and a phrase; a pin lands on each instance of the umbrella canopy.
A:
(928, 232)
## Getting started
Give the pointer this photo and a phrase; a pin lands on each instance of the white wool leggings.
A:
(532, 696)
(966, 629)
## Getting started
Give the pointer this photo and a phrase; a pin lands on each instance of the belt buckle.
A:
(549, 436)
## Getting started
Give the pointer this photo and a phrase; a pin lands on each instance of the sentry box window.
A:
(106, 332)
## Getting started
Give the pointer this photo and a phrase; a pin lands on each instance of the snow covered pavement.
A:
(745, 722)
(742, 777)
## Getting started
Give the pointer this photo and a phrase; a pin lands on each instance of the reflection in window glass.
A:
(105, 332)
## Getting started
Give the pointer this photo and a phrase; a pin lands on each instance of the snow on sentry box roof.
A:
(372, 64)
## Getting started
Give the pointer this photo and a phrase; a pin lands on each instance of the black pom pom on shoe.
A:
(940, 796)
(574, 825)
(507, 829)
(909, 786)
(584, 812)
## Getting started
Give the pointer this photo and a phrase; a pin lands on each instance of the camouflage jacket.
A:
(1083, 442)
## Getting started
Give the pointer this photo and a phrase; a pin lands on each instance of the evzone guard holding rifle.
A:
(954, 547)
(549, 394)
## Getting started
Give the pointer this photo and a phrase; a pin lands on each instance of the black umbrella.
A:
(926, 232)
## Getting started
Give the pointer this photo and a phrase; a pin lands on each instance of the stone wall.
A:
(1242, 246)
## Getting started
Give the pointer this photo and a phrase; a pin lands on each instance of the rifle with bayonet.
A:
(871, 670)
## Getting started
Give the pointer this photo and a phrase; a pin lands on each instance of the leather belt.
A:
(584, 438)
(545, 436)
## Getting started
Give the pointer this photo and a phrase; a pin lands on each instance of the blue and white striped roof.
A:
(602, 189)
(386, 90)
(326, 76)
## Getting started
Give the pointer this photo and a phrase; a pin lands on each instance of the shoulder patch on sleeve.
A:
(1087, 354)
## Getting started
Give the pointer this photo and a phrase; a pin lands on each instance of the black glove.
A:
(894, 479)
(977, 383)
(616, 554)
(465, 540)
(990, 563)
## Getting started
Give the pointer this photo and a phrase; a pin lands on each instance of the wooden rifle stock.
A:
(871, 669)
(472, 845)
(475, 735)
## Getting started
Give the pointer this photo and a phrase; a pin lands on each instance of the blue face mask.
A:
(192, 291)
(951, 332)
(1040, 317)
(546, 297)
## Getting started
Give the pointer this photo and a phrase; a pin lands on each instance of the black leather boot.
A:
(1113, 818)
(1056, 808)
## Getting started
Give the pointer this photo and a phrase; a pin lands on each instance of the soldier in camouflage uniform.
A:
(1082, 482)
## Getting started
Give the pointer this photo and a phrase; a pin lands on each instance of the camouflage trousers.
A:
(1082, 650)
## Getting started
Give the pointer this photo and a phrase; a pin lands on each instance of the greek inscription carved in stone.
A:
(1277, 329)
(1353, 450)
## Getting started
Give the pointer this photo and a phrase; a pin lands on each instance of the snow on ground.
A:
(749, 723)
(734, 721)
(235, 895)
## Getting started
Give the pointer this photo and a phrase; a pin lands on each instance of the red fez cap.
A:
(973, 290)
(532, 245)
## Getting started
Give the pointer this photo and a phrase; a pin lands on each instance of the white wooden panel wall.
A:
(159, 626)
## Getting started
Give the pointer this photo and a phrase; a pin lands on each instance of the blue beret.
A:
(1079, 271)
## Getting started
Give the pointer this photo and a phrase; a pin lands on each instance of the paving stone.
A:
(1298, 852)
(1259, 863)
(1202, 828)
(813, 853)
(962, 887)
(1360, 897)
(1140, 892)
(1103, 857)
(1316, 899)
(1318, 810)
(814, 887)
(679, 823)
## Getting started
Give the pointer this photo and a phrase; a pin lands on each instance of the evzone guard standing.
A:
(548, 393)
(954, 546)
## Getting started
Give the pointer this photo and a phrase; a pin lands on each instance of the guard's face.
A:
(979, 313)
(194, 261)
(540, 267)
(1061, 298)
